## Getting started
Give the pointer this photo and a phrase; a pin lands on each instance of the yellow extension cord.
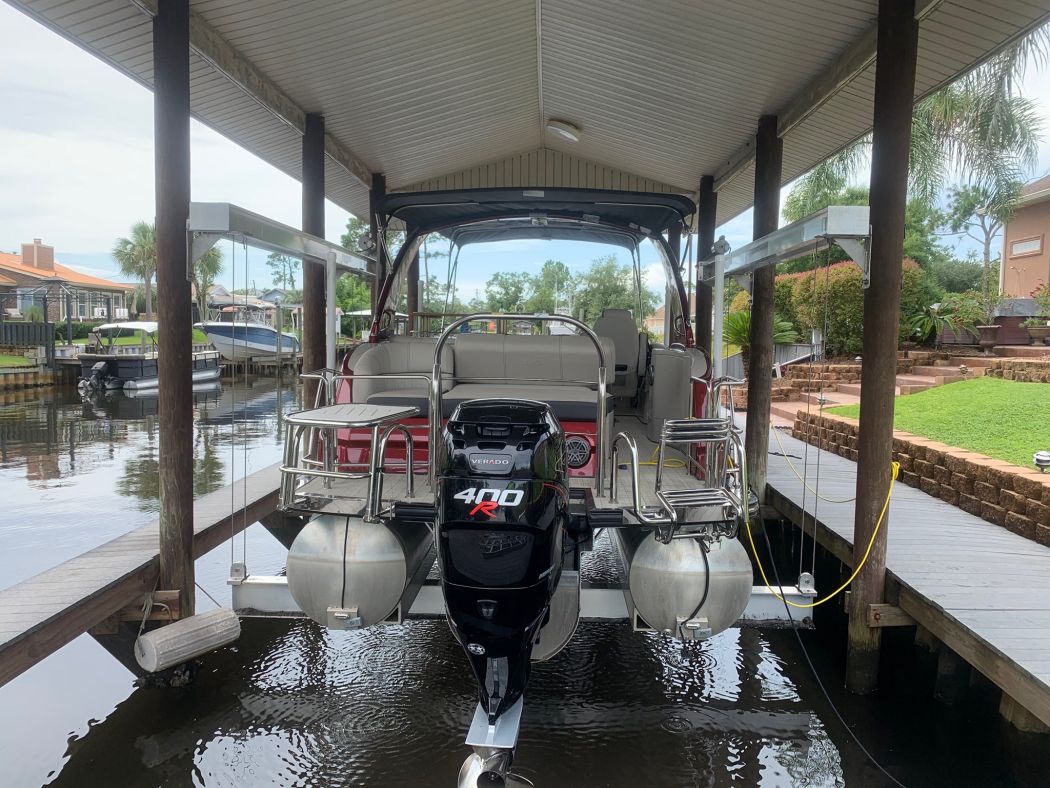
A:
(894, 471)
(783, 451)
(668, 463)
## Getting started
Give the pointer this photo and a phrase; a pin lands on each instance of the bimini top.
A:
(545, 230)
(150, 327)
(641, 212)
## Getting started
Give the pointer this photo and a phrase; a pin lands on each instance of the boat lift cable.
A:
(894, 471)
(812, 667)
(244, 427)
(233, 419)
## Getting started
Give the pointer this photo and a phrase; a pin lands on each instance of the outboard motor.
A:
(503, 508)
(96, 381)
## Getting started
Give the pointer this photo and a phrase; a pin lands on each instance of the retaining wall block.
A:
(1020, 525)
(1012, 502)
(993, 513)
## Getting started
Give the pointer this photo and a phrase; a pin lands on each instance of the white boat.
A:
(245, 340)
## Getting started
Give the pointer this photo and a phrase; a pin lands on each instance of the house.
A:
(275, 296)
(654, 324)
(34, 278)
(1026, 258)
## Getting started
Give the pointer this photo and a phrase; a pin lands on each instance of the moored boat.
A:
(118, 365)
(245, 340)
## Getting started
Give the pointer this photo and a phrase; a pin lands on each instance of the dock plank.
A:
(977, 587)
(42, 614)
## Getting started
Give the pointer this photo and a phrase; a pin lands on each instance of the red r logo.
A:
(486, 507)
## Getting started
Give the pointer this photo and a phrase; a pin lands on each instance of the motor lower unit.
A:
(503, 511)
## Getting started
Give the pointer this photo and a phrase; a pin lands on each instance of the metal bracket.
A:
(694, 628)
(859, 254)
(238, 574)
(807, 584)
(343, 618)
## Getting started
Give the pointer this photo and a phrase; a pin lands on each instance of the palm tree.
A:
(137, 257)
(977, 125)
(736, 330)
(205, 269)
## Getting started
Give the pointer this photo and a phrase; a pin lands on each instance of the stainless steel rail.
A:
(435, 386)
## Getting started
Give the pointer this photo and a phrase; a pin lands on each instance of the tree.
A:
(282, 270)
(736, 330)
(137, 257)
(609, 285)
(978, 126)
(552, 289)
(352, 294)
(979, 214)
(205, 269)
(507, 292)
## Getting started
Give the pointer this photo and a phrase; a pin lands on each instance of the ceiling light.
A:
(564, 129)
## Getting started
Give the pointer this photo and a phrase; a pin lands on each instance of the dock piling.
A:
(171, 101)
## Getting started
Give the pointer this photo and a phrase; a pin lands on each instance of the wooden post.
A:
(705, 239)
(171, 134)
(377, 192)
(412, 283)
(769, 152)
(313, 274)
(898, 35)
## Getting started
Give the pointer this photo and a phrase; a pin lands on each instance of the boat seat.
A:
(618, 326)
(477, 366)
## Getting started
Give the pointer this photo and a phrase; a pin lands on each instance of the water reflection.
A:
(295, 705)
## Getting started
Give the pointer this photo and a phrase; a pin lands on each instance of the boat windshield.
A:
(510, 271)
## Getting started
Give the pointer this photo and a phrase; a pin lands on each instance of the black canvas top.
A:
(551, 230)
(642, 212)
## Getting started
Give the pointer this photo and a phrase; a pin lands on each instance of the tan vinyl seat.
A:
(551, 369)
(619, 327)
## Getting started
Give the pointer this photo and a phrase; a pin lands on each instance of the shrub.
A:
(33, 314)
(741, 302)
(835, 293)
(80, 330)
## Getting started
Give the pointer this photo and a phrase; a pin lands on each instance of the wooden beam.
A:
(898, 44)
(768, 168)
(171, 131)
(227, 60)
(884, 615)
(314, 276)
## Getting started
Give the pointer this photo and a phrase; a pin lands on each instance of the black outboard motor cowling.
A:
(502, 512)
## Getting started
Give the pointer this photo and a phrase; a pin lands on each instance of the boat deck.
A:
(979, 588)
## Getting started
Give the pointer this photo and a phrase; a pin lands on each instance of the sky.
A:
(76, 160)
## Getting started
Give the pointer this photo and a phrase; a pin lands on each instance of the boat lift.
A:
(846, 226)
(210, 222)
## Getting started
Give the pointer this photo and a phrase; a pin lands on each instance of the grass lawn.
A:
(1000, 418)
(13, 361)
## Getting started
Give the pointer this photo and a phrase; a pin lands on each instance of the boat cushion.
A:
(556, 360)
(398, 356)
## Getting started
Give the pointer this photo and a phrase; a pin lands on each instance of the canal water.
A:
(290, 704)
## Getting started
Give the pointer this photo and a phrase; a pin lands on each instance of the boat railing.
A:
(319, 454)
(437, 377)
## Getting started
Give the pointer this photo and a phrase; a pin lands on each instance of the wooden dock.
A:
(978, 588)
(40, 615)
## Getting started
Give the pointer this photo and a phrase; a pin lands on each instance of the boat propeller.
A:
(490, 770)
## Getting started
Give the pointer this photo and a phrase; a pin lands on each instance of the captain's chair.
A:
(631, 349)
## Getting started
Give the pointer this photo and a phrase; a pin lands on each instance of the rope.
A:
(783, 452)
(894, 471)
